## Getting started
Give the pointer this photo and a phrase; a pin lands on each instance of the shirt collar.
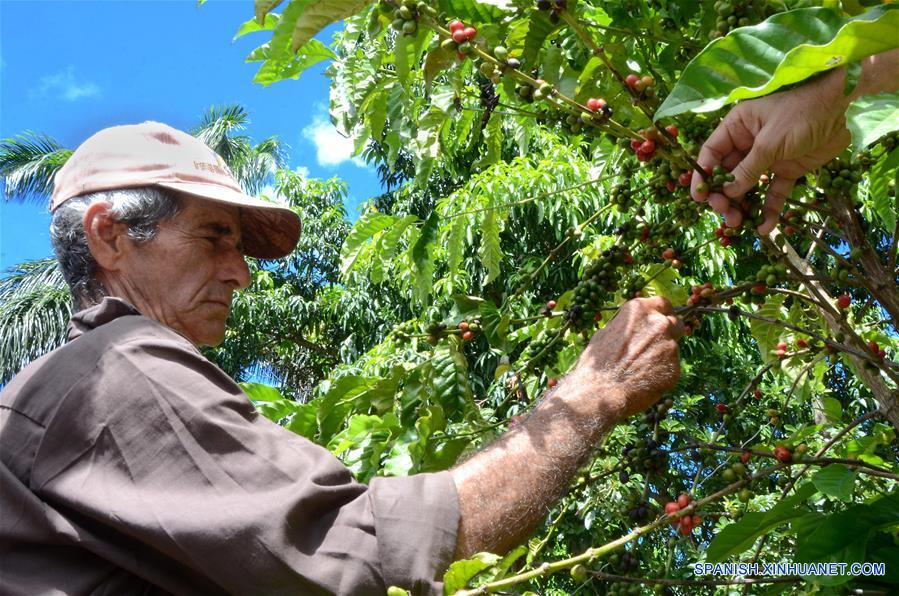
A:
(109, 309)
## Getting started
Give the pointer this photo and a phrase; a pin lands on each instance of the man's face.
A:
(185, 277)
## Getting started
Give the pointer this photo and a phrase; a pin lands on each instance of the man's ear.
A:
(106, 238)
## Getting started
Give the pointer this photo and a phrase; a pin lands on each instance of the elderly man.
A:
(131, 464)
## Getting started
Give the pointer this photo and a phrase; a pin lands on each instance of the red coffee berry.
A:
(671, 508)
(647, 80)
(696, 521)
(685, 179)
(551, 382)
(671, 186)
(672, 130)
(789, 230)
(872, 345)
(463, 325)
(721, 408)
(470, 33)
(597, 317)
(551, 304)
(635, 144)
(456, 25)
(781, 345)
(631, 80)
(783, 454)
(467, 335)
(668, 254)
(744, 457)
(758, 394)
(459, 36)
(844, 300)
(648, 146)
(594, 104)
(683, 500)
(801, 343)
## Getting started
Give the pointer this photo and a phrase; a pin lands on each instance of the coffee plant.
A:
(538, 157)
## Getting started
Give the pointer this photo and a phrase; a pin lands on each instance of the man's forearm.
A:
(507, 489)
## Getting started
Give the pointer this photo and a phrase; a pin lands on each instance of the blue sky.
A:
(71, 67)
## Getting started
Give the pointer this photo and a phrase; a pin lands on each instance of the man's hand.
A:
(787, 134)
(505, 490)
(633, 360)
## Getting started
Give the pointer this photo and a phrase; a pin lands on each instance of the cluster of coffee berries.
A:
(770, 275)
(844, 267)
(600, 278)
(839, 176)
(773, 416)
(548, 340)
(639, 511)
(701, 295)
(547, 309)
(621, 196)
(734, 472)
(645, 147)
(781, 350)
(718, 177)
(469, 329)
(435, 329)
(670, 177)
(644, 455)
(792, 220)
(461, 37)
(405, 16)
(543, 89)
(555, 8)
(733, 14)
(633, 285)
(670, 255)
(687, 523)
(877, 350)
(640, 86)
(403, 332)
(624, 563)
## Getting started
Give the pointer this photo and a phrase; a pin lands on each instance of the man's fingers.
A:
(658, 303)
(777, 194)
(748, 171)
(678, 328)
(721, 204)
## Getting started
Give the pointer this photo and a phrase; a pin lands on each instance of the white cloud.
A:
(63, 85)
(331, 148)
(303, 171)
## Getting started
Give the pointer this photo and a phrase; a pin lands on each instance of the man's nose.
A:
(235, 270)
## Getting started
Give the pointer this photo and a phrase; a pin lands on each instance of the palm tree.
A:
(35, 305)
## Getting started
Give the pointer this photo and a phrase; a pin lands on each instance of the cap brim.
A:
(268, 230)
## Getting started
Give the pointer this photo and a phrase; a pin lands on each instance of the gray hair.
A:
(142, 209)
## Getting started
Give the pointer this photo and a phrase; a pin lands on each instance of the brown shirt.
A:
(130, 464)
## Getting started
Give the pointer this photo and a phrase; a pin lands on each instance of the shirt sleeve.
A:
(165, 468)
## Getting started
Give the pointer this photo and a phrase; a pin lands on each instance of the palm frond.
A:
(35, 308)
(28, 163)
(218, 129)
(259, 168)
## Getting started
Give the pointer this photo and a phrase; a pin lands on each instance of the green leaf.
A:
(251, 26)
(835, 481)
(768, 334)
(461, 572)
(368, 225)
(740, 535)
(843, 536)
(454, 245)
(263, 7)
(318, 14)
(833, 410)
(869, 118)
(490, 250)
(665, 284)
(276, 69)
(883, 172)
(486, 11)
(423, 259)
(259, 392)
(787, 48)
(530, 36)
(389, 239)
